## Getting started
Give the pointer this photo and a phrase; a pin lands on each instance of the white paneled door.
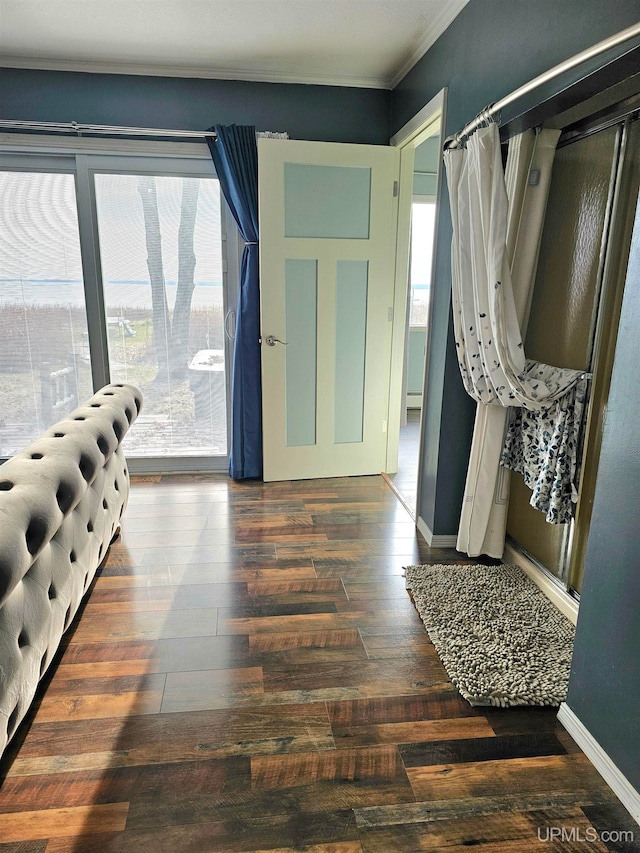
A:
(328, 216)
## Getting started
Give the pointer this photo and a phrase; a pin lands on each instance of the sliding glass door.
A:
(115, 271)
(161, 261)
(44, 352)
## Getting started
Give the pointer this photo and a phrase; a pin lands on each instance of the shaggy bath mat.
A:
(499, 637)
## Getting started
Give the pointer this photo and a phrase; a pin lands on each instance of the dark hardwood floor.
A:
(249, 674)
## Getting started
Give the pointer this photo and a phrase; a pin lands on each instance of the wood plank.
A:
(57, 707)
(419, 732)
(49, 823)
(352, 777)
(496, 748)
(476, 779)
(500, 831)
(299, 832)
(436, 704)
(146, 625)
(396, 675)
(167, 738)
(263, 643)
(198, 691)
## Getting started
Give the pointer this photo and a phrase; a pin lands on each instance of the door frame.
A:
(427, 122)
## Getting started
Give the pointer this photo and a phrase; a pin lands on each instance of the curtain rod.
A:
(486, 114)
(101, 129)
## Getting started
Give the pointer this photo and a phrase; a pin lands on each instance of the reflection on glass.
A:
(44, 353)
(161, 256)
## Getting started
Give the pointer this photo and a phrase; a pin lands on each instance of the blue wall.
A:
(326, 113)
(604, 689)
(489, 50)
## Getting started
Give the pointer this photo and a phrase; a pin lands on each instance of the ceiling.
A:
(370, 43)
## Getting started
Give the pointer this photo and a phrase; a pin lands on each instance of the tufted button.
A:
(87, 467)
(35, 534)
(103, 446)
(23, 639)
(37, 456)
(6, 485)
(64, 497)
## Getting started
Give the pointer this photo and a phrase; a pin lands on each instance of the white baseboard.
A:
(434, 540)
(413, 401)
(615, 779)
(563, 601)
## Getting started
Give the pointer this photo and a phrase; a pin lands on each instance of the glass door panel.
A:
(565, 304)
(45, 368)
(161, 259)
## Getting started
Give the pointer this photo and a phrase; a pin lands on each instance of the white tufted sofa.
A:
(61, 499)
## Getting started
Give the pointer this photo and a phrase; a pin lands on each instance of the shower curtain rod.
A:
(101, 129)
(487, 113)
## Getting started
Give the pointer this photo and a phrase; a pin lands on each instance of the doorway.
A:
(420, 142)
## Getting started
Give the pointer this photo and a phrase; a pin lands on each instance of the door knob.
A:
(271, 341)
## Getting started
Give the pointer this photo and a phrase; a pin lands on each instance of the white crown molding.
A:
(439, 24)
(199, 72)
(610, 772)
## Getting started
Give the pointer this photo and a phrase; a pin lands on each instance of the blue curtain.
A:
(235, 156)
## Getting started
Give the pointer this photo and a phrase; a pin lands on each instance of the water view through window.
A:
(160, 253)
(44, 355)
(161, 257)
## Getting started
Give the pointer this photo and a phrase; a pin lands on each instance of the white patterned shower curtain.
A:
(497, 225)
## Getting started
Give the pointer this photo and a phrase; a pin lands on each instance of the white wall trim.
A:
(435, 540)
(53, 144)
(613, 776)
(563, 601)
(421, 121)
(195, 71)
